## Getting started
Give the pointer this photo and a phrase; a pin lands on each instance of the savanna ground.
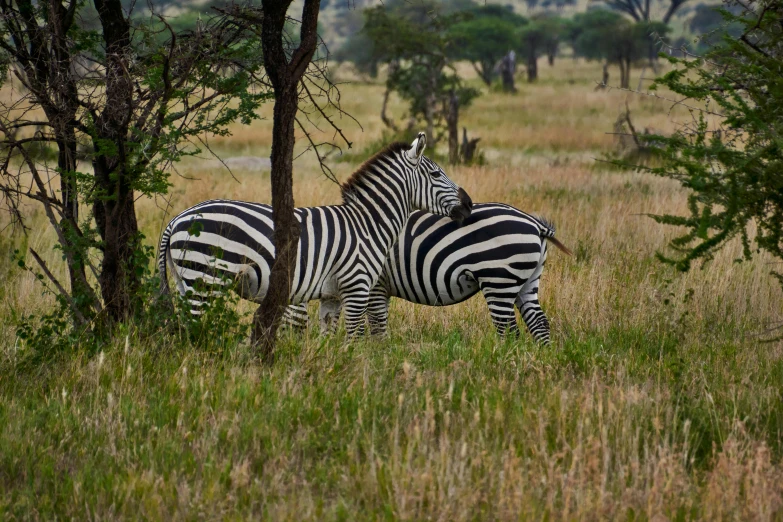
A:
(656, 400)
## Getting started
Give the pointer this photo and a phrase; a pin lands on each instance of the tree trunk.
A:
(486, 74)
(116, 219)
(393, 67)
(430, 101)
(66, 165)
(452, 119)
(604, 78)
(284, 74)
(532, 67)
(508, 68)
(267, 317)
(484, 71)
(627, 78)
(623, 77)
(115, 211)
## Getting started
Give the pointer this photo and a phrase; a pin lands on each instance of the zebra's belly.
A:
(324, 288)
(445, 293)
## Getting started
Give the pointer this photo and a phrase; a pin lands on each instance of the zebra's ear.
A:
(417, 147)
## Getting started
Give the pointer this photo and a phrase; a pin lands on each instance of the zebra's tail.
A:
(163, 253)
(547, 230)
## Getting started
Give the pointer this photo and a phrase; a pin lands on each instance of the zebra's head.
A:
(433, 191)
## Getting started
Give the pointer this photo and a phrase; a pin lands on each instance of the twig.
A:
(663, 98)
(321, 161)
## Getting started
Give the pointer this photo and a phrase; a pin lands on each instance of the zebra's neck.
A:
(383, 204)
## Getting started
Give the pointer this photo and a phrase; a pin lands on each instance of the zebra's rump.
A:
(439, 262)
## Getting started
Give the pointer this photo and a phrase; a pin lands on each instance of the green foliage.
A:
(46, 337)
(731, 167)
(590, 33)
(600, 34)
(537, 36)
(485, 37)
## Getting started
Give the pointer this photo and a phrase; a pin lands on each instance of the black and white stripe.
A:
(342, 248)
(498, 250)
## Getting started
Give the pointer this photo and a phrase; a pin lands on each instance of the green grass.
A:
(449, 424)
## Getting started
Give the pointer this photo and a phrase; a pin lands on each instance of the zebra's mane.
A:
(365, 168)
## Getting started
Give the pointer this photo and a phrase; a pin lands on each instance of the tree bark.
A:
(626, 71)
(115, 212)
(284, 76)
(532, 67)
(484, 69)
(393, 66)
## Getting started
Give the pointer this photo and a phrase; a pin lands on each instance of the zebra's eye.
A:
(435, 173)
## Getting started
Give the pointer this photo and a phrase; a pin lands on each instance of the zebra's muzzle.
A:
(462, 210)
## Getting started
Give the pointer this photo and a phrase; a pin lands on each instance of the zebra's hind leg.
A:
(198, 294)
(534, 317)
(378, 311)
(329, 315)
(295, 317)
(501, 309)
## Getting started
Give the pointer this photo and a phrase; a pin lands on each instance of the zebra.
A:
(498, 250)
(342, 248)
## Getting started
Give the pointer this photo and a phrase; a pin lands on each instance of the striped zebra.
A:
(342, 248)
(498, 250)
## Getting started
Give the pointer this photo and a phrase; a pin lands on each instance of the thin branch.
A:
(321, 161)
(75, 309)
(663, 98)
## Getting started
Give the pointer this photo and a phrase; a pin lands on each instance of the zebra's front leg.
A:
(501, 310)
(534, 317)
(378, 311)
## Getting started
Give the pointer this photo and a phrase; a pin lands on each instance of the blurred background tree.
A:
(486, 35)
(413, 41)
(600, 34)
(642, 10)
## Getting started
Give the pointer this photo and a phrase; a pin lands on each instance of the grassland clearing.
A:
(656, 400)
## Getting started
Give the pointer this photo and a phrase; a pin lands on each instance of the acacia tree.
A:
(414, 41)
(120, 99)
(301, 87)
(535, 39)
(732, 168)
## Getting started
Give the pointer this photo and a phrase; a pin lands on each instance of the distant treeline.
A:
(485, 34)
